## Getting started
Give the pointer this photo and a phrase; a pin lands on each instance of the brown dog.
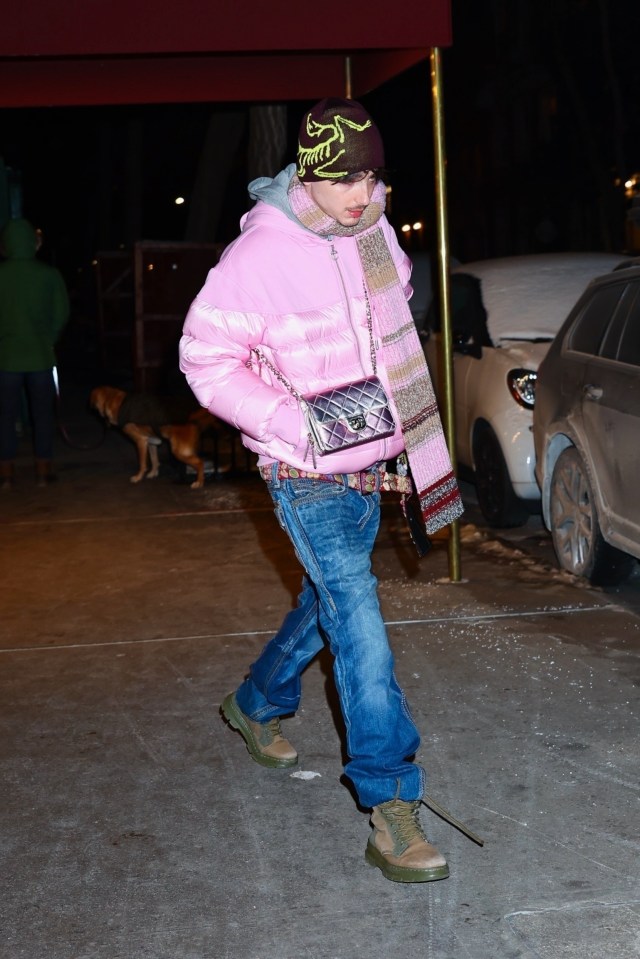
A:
(148, 419)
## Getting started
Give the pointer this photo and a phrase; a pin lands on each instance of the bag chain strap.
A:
(372, 346)
(276, 372)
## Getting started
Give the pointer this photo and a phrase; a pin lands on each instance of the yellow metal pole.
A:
(448, 412)
(347, 78)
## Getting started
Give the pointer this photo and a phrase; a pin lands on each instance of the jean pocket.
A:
(279, 514)
(312, 489)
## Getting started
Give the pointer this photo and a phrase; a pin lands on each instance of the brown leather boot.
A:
(7, 471)
(265, 741)
(399, 847)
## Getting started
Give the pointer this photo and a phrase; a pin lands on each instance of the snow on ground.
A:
(484, 542)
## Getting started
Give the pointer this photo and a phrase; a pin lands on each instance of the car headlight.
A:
(522, 386)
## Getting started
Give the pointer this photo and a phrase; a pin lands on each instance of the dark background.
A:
(542, 127)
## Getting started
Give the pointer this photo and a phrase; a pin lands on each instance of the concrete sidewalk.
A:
(134, 823)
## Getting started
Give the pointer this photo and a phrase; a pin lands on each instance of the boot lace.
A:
(403, 820)
(446, 815)
(272, 729)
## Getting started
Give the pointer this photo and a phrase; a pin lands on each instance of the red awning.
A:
(131, 51)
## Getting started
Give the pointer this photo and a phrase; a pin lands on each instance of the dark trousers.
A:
(40, 392)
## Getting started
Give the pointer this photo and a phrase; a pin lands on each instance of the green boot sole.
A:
(401, 874)
(235, 717)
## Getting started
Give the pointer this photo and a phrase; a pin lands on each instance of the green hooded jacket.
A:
(34, 305)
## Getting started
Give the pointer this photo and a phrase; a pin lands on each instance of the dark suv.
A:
(586, 429)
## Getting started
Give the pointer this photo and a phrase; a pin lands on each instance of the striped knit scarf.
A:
(409, 377)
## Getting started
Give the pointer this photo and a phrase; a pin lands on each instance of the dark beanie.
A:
(337, 137)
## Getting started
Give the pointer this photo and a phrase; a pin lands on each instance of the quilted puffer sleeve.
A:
(214, 353)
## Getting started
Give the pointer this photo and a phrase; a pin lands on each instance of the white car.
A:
(505, 313)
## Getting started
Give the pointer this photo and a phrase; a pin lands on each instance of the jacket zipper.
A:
(334, 256)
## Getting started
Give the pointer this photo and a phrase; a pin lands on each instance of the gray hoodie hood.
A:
(275, 191)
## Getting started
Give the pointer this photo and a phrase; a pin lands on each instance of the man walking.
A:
(310, 298)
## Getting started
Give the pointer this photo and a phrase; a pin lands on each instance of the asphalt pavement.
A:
(135, 824)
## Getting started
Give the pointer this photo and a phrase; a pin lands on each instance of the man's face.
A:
(342, 200)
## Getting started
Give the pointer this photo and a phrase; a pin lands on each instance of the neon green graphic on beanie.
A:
(321, 157)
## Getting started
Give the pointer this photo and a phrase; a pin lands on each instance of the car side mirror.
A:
(465, 344)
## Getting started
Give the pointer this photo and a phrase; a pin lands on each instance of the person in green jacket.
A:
(34, 307)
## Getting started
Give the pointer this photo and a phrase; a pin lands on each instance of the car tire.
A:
(575, 530)
(497, 501)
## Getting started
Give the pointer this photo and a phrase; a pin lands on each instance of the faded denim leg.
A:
(274, 685)
(333, 529)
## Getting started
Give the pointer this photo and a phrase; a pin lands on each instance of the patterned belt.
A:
(366, 481)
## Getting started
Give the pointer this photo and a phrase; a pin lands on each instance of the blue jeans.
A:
(40, 392)
(333, 529)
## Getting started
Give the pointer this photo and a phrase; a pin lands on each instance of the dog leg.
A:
(198, 465)
(152, 450)
(183, 440)
(141, 440)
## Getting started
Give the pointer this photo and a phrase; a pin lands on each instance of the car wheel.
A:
(497, 501)
(575, 529)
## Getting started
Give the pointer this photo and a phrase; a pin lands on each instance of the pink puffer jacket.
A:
(300, 299)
